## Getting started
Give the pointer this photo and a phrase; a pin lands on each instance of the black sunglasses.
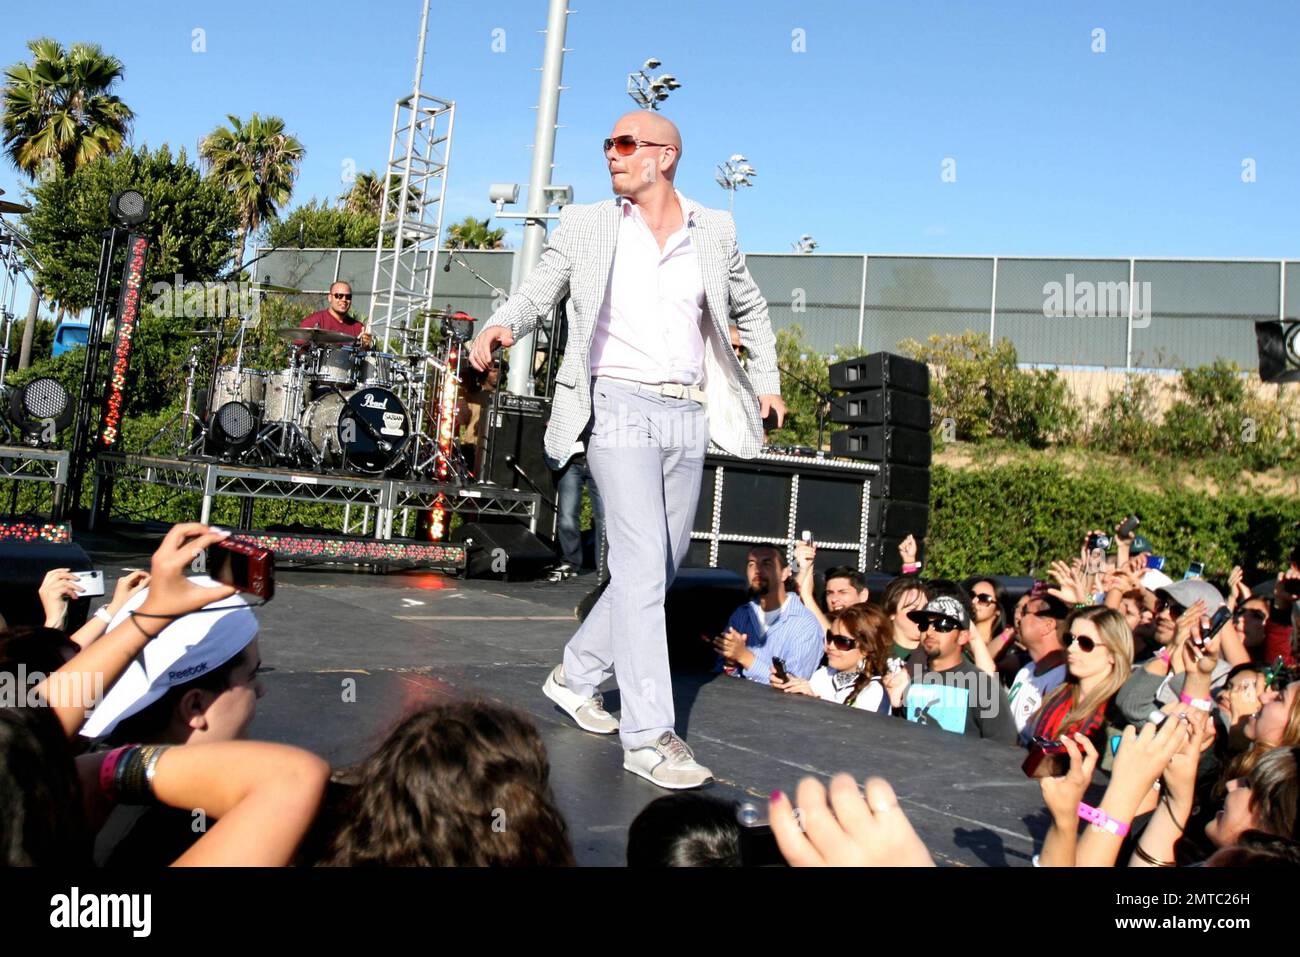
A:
(985, 599)
(840, 642)
(941, 625)
(341, 295)
(1085, 643)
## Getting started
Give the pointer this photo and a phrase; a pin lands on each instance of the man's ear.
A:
(192, 709)
(963, 637)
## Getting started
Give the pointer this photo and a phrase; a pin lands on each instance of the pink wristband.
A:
(108, 772)
(911, 567)
(1164, 655)
(1100, 819)
(1201, 704)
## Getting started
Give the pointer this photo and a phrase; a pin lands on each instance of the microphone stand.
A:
(822, 406)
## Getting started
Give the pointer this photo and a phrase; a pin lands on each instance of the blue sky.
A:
(1058, 150)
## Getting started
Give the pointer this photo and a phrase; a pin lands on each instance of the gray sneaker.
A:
(669, 763)
(590, 712)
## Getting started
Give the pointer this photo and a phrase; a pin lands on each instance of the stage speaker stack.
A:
(513, 455)
(886, 404)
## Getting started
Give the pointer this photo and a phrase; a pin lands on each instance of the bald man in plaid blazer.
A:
(649, 377)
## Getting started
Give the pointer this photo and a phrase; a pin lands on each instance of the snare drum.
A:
(236, 384)
(337, 366)
(376, 369)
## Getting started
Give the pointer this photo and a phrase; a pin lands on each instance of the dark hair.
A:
(1258, 849)
(850, 573)
(150, 724)
(899, 587)
(873, 631)
(458, 784)
(1000, 620)
(685, 830)
(43, 650)
(774, 549)
(41, 817)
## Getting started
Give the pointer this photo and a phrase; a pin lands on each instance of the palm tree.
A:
(258, 162)
(58, 108)
(368, 194)
(473, 233)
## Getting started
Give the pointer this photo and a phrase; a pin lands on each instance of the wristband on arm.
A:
(1101, 820)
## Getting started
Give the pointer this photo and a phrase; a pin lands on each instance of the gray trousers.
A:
(646, 453)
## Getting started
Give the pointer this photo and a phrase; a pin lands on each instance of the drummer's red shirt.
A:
(326, 320)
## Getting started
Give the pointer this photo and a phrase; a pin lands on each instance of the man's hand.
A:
(860, 833)
(768, 404)
(480, 356)
(366, 340)
(806, 554)
(1073, 588)
(731, 645)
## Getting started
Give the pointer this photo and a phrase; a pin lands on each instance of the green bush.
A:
(1016, 519)
(982, 391)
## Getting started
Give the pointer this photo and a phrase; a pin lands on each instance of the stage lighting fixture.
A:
(1279, 350)
(128, 207)
(234, 427)
(41, 409)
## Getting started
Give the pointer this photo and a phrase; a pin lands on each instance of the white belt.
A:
(673, 390)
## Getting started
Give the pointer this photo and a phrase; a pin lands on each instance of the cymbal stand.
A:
(185, 419)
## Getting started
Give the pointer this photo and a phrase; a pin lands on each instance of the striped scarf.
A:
(1052, 712)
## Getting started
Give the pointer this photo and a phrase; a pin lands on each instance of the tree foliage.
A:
(317, 225)
(192, 222)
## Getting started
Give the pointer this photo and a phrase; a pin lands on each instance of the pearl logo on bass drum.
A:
(368, 402)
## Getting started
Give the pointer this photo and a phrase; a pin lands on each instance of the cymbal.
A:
(195, 333)
(7, 207)
(272, 287)
(317, 337)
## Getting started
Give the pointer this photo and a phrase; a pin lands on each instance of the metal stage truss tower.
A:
(410, 219)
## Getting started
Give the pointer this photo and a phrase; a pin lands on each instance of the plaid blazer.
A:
(577, 262)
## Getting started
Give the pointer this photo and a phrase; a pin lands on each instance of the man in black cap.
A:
(949, 691)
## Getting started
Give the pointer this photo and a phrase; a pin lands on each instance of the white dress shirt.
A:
(648, 328)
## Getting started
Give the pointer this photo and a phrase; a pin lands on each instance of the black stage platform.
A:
(410, 636)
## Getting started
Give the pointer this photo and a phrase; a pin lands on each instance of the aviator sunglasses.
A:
(1086, 644)
(626, 145)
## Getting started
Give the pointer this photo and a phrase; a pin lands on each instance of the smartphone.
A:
(779, 665)
(1047, 759)
(246, 567)
(1130, 525)
(1221, 618)
(806, 537)
(92, 584)
(1156, 562)
(1194, 570)
(769, 423)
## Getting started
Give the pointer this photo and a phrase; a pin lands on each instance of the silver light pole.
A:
(733, 174)
(520, 380)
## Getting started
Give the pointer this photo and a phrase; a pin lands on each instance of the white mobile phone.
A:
(92, 584)
(806, 536)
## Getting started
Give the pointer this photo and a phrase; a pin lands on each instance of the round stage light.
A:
(41, 409)
(234, 426)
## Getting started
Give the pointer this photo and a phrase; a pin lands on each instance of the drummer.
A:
(337, 317)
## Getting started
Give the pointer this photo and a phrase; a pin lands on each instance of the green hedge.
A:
(1016, 519)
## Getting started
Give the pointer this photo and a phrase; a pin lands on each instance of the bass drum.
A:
(366, 432)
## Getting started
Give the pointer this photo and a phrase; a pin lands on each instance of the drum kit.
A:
(335, 407)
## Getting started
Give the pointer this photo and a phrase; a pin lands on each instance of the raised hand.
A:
(58, 587)
(907, 550)
(1071, 586)
(1062, 795)
(171, 594)
(127, 587)
(870, 832)
(480, 355)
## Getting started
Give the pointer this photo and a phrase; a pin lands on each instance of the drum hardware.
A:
(185, 421)
(282, 438)
(315, 337)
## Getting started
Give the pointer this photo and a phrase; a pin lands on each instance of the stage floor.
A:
(408, 637)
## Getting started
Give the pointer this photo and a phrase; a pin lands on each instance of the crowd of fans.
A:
(1173, 702)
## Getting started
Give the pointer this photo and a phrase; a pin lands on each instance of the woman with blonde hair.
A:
(1099, 659)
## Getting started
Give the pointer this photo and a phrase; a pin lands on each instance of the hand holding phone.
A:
(779, 665)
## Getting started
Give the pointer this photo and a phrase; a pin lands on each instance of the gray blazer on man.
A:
(577, 263)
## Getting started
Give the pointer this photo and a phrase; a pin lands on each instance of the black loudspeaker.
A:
(1278, 344)
(507, 552)
(882, 407)
(22, 569)
(897, 519)
(513, 455)
(886, 444)
(902, 483)
(881, 370)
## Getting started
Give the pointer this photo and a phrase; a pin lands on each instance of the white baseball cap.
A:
(192, 645)
(1154, 579)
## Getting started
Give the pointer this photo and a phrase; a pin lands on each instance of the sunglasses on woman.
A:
(840, 642)
(1086, 644)
(626, 145)
(984, 599)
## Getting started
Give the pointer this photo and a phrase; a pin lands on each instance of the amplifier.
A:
(527, 404)
(513, 456)
(881, 370)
